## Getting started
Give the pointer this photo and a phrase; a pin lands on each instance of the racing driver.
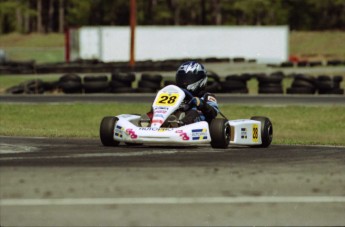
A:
(192, 76)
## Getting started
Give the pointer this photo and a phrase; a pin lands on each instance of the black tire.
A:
(214, 87)
(123, 77)
(71, 87)
(233, 84)
(213, 76)
(148, 84)
(324, 78)
(220, 133)
(106, 131)
(49, 86)
(120, 84)
(169, 82)
(95, 78)
(302, 83)
(270, 79)
(18, 89)
(324, 85)
(307, 78)
(237, 91)
(70, 77)
(333, 91)
(266, 131)
(152, 78)
(145, 90)
(96, 87)
(33, 87)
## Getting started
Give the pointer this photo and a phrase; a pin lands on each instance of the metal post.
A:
(132, 24)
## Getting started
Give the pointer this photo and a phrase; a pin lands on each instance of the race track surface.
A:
(78, 182)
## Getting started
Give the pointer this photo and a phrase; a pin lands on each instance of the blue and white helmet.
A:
(191, 76)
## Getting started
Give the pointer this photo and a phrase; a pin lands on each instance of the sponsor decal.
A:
(131, 133)
(199, 134)
(155, 121)
(158, 115)
(255, 133)
(156, 129)
(160, 111)
(118, 131)
(182, 134)
(211, 99)
(160, 108)
(243, 133)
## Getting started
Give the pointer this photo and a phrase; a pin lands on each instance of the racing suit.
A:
(204, 108)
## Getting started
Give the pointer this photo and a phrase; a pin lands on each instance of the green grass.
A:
(321, 43)
(43, 48)
(292, 124)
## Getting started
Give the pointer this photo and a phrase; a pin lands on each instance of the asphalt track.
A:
(78, 182)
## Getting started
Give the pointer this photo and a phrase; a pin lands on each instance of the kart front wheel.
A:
(106, 131)
(220, 133)
(266, 131)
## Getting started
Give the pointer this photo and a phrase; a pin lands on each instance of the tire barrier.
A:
(302, 84)
(271, 84)
(213, 84)
(28, 87)
(72, 83)
(96, 84)
(121, 82)
(323, 84)
(328, 85)
(235, 84)
(149, 83)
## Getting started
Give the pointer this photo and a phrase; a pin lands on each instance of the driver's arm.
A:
(209, 107)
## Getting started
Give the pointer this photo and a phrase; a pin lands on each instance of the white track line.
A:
(172, 200)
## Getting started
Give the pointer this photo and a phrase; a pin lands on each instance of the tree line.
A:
(44, 16)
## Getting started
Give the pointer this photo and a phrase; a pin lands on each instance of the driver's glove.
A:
(197, 102)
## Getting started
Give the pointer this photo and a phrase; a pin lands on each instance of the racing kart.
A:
(166, 127)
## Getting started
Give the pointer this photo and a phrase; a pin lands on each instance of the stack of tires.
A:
(271, 84)
(70, 84)
(213, 84)
(121, 82)
(96, 84)
(302, 84)
(328, 85)
(28, 87)
(149, 83)
(235, 84)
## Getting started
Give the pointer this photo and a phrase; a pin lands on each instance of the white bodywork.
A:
(168, 100)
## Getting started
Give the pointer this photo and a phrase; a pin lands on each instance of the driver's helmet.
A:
(191, 76)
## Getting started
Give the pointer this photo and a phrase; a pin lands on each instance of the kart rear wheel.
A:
(266, 131)
(220, 133)
(106, 131)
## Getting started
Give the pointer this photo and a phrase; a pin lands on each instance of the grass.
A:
(317, 43)
(44, 48)
(292, 124)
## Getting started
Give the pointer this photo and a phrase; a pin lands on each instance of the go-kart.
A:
(166, 127)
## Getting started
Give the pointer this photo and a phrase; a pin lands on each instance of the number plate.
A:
(255, 133)
(166, 99)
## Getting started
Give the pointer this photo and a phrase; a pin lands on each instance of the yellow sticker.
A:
(166, 99)
(255, 133)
